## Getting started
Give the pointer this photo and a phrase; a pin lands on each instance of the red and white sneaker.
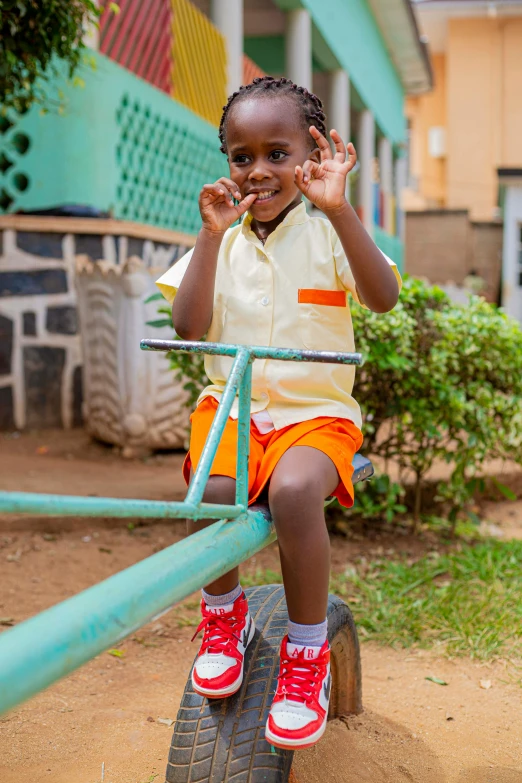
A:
(228, 630)
(299, 712)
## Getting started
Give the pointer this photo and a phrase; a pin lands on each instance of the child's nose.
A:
(259, 172)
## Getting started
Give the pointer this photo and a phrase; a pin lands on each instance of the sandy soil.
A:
(107, 712)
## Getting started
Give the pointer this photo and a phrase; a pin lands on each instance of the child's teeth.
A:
(265, 194)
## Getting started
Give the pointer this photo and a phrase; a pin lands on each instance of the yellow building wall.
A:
(425, 112)
(478, 97)
(474, 115)
(512, 97)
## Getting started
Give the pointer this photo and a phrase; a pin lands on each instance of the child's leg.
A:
(301, 481)
(219, 489)
(226, 623)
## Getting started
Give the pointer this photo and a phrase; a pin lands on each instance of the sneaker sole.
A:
(289, 744)
(230, 689)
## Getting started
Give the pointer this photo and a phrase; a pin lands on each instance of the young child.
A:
(280, 278)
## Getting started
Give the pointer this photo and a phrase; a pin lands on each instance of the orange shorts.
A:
(339, 439)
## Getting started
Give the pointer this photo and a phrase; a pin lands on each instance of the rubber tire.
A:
(222, 741)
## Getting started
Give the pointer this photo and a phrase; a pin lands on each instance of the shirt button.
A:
(264, 301)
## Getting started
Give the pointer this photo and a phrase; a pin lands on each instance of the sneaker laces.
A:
(300, 677)
(219, 633)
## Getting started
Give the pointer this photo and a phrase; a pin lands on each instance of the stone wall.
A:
(445, 246)
(40, 346)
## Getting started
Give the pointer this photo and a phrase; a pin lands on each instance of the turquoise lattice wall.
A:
(392, 246)
(120, 146)
(14, 146)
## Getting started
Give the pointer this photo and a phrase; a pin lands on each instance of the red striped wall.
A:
(139, 38)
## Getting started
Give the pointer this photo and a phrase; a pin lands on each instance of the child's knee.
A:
(220, 489)
(293, 497)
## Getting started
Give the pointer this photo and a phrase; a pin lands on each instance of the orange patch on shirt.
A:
(321, 297)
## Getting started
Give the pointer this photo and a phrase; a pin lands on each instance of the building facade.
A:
(470, 126)
(134, 137)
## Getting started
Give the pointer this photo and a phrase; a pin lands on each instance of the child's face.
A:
(265, 142)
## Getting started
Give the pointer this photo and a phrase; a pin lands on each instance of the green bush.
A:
(32, 34)
(440, 382)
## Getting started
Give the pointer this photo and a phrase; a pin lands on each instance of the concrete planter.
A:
(131, 398)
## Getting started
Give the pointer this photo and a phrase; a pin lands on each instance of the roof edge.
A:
(422, 45)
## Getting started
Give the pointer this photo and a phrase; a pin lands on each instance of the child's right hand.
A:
(217, 207)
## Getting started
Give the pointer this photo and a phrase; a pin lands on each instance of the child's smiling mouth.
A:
(263, 196)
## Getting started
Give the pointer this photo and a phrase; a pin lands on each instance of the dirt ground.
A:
(107, 712)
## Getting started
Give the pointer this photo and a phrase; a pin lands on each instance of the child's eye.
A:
(240, 159)
(278, 155)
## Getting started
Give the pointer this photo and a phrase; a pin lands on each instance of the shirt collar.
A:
(296, 216)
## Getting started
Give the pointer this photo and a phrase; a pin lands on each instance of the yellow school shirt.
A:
(290, 292)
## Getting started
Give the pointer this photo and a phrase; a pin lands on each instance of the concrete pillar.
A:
(401, 181)
(339, 103)
(386, 176)
(299, 47)
(339, 108)
(227, 16)
(386, 164)
(366, 154)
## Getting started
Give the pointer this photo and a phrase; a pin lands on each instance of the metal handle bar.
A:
(255, 351)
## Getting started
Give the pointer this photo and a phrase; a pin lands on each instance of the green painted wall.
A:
(269, 53)
(392, 246)
(120, 146)
(349, 29)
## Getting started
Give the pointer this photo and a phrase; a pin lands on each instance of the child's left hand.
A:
(324, 183)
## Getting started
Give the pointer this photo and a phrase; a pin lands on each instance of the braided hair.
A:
(310, 105)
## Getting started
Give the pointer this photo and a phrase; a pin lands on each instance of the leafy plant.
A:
(441, 382)
(34, 34)
(188, 368)
(467, 602)
(380, 498)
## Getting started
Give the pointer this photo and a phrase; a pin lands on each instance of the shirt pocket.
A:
(322, 318)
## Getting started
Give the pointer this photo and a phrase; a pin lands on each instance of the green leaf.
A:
(506, 491)
(116, 653)
(156, 297)
(436, 680)
(160, 323)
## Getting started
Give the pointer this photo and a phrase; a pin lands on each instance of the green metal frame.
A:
(39, 651)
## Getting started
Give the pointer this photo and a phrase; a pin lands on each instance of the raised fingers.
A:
(352, 156)
(230, 186)
(216, 191)
(310, 168)
(340, 150)
(324, 147)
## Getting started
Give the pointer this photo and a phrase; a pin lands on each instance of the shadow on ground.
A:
(369, 748)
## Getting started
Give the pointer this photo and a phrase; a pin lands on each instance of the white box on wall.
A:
(437, 141)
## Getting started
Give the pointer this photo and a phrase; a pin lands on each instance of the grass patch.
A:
(467, 602)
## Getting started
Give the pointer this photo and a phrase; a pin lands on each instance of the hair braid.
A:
(310, 105)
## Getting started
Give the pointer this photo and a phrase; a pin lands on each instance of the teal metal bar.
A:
(49, 646)
(199, 482)
(256, 351)
(78, 506)
(243, 437)
(54, 643)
